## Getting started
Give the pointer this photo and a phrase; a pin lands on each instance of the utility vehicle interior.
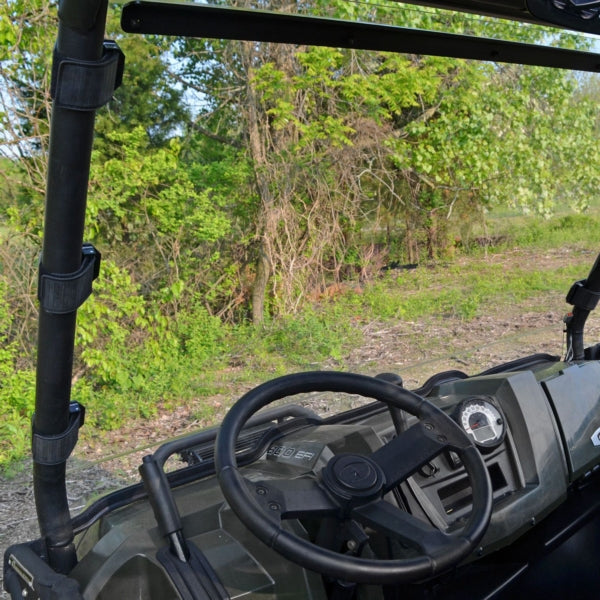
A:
(473, 486)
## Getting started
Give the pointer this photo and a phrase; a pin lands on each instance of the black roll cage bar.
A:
(81, 52)
(206, 21)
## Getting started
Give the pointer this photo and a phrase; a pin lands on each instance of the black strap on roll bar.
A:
(63, 293)
(582, 297)
(84, 84)
(54, 449)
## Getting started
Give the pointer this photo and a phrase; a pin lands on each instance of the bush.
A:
(17, 392)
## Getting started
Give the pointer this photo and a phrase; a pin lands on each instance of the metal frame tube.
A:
(80, 36)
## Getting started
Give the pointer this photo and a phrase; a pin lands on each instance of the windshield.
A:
(379, 201)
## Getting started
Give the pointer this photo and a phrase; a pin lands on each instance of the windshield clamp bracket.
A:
(64, 293)
(55, 449)
(86, 85)
(582, 297)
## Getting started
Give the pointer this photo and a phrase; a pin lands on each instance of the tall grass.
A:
(561, 231)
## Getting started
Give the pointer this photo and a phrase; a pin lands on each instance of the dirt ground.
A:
(414, 350)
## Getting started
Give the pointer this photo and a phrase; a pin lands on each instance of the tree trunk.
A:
(258, 154)
(259, 289)
(412, 249)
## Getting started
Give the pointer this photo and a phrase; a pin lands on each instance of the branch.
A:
(215, 136)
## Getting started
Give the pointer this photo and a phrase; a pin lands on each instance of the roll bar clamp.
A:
(64, 293)
(55, 449)
(582, 297)
(86, 85)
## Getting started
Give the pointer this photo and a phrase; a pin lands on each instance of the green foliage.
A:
(307, 338)
(145, 197)
(202, 337)
(133, 357)
(570, 229)
(8, 36)
(145, 193)
(16, 392)
(323, 161)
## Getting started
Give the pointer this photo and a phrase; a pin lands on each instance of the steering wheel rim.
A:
(434, 424)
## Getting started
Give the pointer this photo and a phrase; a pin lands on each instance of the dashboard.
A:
(536, 428)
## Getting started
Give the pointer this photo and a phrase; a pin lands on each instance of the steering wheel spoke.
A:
(402, 456)
(289, 499)
(402, 526)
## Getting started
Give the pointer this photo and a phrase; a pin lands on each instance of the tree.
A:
(308, 148)
(473, 145)
(299, 149)
(337, 140)
(25, 58)
(149, 96)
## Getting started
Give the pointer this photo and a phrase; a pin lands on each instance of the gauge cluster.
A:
(510, 421)
(482, 421)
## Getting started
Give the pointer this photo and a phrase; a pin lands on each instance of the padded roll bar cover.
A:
(80, 36)
(81, 15)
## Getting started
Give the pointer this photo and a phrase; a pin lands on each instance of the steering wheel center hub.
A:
(353, 477)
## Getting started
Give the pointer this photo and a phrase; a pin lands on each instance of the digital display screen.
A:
(483, 434)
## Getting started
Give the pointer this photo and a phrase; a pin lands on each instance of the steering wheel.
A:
(351, 487)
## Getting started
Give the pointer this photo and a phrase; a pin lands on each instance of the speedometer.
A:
(482, 421)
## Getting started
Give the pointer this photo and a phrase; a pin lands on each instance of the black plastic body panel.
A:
(574, 393)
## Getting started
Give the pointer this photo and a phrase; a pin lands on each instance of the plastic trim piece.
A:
(27, 575)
